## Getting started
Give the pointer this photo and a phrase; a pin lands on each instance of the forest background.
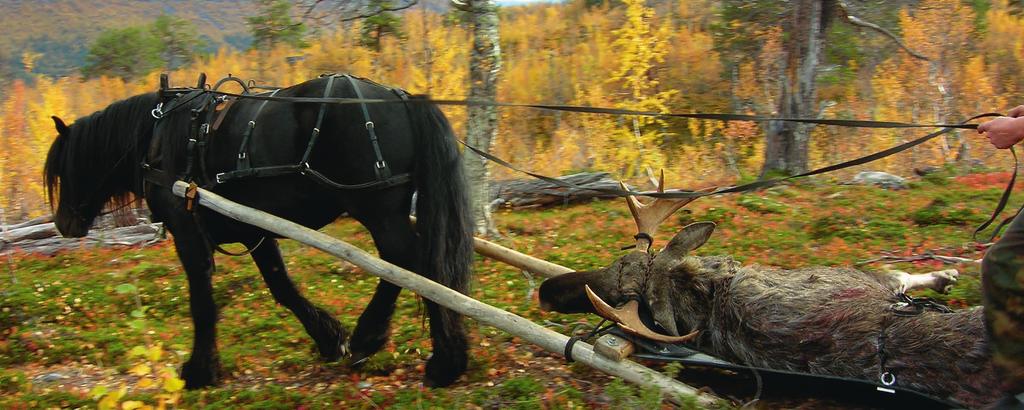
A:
(663, 55)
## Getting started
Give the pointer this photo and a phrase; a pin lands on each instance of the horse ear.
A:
(59, 123)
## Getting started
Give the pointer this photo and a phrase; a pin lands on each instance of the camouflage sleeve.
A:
(1003, 293)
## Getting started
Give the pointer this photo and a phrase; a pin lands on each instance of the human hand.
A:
(1016, 111)
(1004, 132)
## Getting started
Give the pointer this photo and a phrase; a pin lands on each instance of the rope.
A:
(597, 331)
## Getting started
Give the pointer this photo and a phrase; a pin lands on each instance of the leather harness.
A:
(208, 115)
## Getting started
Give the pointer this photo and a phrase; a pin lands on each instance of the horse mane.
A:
(104, 148)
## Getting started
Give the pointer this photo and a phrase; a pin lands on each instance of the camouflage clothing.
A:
(1003, 289)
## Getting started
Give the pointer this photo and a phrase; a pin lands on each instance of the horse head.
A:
(72, 212)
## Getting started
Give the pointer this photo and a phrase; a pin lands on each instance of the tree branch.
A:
(381, 10)
(461, 5)
(346, 7)
(844, 14)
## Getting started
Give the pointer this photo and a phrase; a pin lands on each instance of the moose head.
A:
(641, 279)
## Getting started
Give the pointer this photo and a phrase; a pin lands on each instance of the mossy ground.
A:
(69, 323)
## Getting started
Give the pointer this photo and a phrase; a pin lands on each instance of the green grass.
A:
(75, 314)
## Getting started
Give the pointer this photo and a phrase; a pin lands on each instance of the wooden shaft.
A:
(515, 258)
(551, 341)
(522, 261)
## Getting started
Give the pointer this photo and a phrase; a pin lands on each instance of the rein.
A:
(675, 194)
(600, 110)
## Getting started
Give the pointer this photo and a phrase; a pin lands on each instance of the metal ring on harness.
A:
(888, 379)
(230, 78)
(158, 112)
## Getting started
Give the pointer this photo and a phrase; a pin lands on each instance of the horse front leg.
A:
(325, 330)
(203, 366)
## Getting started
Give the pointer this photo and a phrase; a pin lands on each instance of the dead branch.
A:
(949, 260)
(352, 10)
(844, 14)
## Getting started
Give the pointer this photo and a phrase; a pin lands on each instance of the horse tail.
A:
(444, 220)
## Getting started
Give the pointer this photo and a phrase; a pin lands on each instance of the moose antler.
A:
(628, 318)
(649, 216)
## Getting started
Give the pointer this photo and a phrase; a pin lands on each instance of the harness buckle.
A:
(381, 164)
(241, 155)
(219, 178)
(205, 128)
(158, 112)
(303, 167)
(191, 194)
(369, 125)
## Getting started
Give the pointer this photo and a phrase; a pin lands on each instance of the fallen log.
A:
(550, 340)
(527, 193)
(31, 222)
(45, 239)
(45, 230)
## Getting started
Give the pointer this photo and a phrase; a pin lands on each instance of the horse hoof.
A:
(198, 375)
(333, 353)
(358, 359)
(443, 370)
(362, 349)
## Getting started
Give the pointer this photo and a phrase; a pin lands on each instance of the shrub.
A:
(940, 213)
(761, 204)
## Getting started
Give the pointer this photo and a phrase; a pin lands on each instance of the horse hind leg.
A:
(325, 330)
(449, 359)
(395, 241)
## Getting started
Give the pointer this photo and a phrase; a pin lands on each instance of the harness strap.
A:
(193, 141)
(272, 171)
(384, 177)
(222, 111)
(380, 167)
(319, 122)
(243, 149)
(209, 107)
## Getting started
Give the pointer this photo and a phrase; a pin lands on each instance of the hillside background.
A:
(62, 30)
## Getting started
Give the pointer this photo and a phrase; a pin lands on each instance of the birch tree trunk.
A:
(482, 122)
(787, 143)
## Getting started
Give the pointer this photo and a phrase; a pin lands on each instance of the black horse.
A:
(95, 163)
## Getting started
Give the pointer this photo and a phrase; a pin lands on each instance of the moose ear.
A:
(691, 237)
(59, 123)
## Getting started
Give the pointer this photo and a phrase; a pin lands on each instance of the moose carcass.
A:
(820, 320)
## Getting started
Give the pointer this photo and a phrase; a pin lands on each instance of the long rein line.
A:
(594, 110)
(674, 194)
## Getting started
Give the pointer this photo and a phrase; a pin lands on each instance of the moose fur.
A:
(819, 320)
